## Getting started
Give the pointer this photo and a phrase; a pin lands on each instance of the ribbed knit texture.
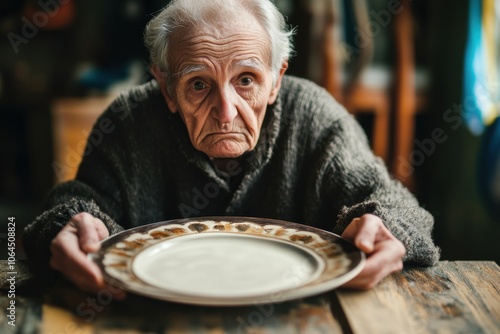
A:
(312, 165)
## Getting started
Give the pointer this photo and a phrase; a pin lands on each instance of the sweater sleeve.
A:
(38, 235)
(95, 190)
(361, 183)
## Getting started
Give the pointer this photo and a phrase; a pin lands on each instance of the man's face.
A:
(222, 85)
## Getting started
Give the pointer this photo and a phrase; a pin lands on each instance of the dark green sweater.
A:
(312, 165)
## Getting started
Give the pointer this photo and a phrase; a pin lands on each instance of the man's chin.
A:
(226, 150)
(225, 146)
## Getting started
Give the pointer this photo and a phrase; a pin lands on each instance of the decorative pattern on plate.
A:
(342, 261)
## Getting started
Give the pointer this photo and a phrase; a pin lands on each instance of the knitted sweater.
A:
(312, 165)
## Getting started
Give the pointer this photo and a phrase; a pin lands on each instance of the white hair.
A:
(179, 14)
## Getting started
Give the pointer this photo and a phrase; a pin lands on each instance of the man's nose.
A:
(224, 109)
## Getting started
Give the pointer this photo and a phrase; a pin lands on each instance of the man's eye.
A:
(198, 85)
(245, 81)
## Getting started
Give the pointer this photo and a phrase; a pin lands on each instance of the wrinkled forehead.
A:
(216, 19)
(223, 36)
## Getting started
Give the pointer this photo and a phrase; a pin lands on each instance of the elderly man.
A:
(222, 131)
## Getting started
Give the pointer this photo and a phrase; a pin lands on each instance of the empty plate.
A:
(228, 260)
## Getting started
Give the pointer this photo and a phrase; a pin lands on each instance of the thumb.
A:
(366, 229)
(365, 243)
(90, 231)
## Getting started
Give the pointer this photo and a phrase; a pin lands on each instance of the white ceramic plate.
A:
(228, 260)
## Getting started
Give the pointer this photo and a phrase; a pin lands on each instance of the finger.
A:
(102, 230)
(68, 258)
(386, 259)
(363, 231)
(80, 270)
(90, 230)
(351, 229)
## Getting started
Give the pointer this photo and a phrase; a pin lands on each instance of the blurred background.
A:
(421, 77)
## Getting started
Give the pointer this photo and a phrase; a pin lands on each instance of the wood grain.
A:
(144, 315)
(452, 297)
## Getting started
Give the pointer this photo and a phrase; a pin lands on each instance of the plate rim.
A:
(285, 295)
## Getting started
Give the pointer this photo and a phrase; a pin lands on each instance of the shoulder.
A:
(137, 115)
(322, 128)
(135, 101)
(306, 100)
(139, 109)
(308, 106)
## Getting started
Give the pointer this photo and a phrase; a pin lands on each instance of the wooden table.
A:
(452, 297)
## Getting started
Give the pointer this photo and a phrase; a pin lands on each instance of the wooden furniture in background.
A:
(360, 91)
(405, 96)
(390, 97)
(364, 97)
(73, 119)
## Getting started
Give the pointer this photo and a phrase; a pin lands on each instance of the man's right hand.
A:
(82, 235)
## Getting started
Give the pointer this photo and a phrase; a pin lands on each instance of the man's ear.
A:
(277, 85)
(159, 75)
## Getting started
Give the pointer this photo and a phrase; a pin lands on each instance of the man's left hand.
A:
(384, 252)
